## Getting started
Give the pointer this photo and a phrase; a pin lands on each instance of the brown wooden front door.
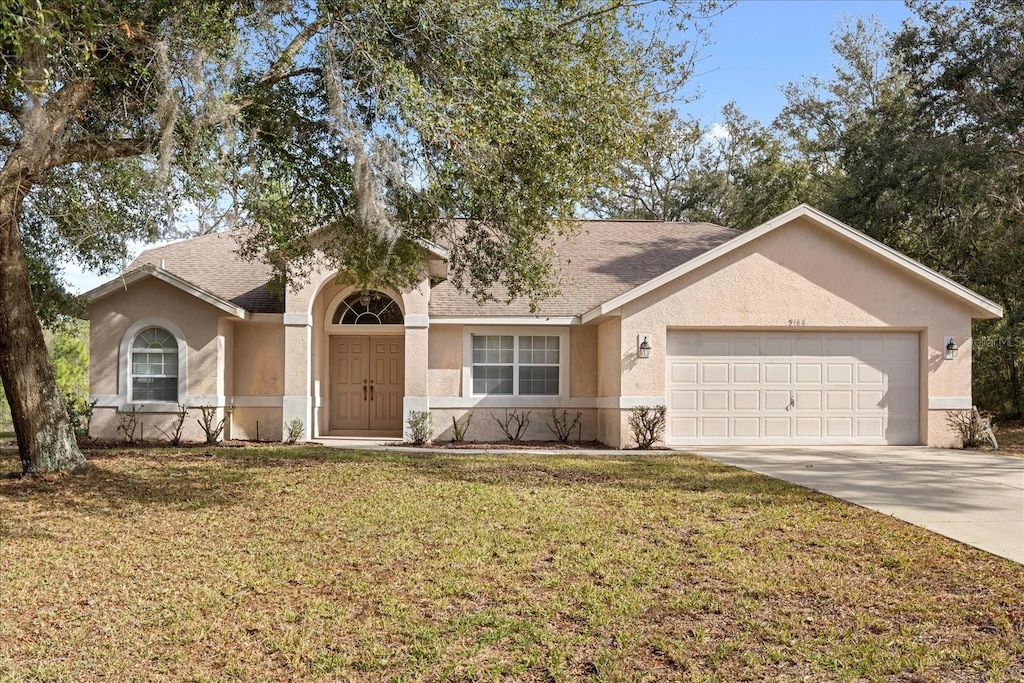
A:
(367, 383)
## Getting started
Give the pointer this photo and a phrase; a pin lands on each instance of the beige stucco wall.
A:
(484, 428)
(444, 360)
(609, 380)
(258, 359)
(805, 273)
(583, 379)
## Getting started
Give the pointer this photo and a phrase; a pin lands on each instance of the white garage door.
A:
(792, 388)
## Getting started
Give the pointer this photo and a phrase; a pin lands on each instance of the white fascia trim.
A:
(507, 320)
(823, 220)
(949, 403)
(417, 321)
(122, 282)
(297, 319)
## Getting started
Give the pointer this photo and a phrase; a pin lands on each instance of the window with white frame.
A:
(516, 365)
(154, 366)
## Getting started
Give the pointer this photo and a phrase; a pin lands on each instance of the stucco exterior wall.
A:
(805, 274)
(484, 428)
(609, 381)
(444, 360)
(201, 326)
(583, 376)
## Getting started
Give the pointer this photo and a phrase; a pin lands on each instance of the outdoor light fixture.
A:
(643, 346)
(951, 348)
(364, 299)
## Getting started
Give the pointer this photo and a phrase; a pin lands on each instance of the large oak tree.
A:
(346, 130)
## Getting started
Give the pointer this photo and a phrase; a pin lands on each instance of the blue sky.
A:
(756, 46)
(759, 45)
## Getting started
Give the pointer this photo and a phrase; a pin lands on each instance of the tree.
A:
(337, 130)
(736, 173)
(918, 140)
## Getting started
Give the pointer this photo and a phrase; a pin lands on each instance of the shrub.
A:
(294, 430)
(174, 435)
(973, 427)
(562, 427)
(648, 425)
(459, 430)
(127, 423)
(213, 430)
(420, 428)
(514, 425)
(80, 412)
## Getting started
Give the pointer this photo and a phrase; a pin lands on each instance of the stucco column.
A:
(417, 332)
(298, 328)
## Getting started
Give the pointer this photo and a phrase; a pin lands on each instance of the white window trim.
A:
(531, 331)
(124, 384)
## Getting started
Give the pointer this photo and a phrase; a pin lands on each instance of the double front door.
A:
(367, 383)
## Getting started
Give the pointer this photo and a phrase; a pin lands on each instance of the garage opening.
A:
(792, 388)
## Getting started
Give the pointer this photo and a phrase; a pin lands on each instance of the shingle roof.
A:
(210, 262)
(605, 258)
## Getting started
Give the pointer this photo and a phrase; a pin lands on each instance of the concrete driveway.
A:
(973, 497)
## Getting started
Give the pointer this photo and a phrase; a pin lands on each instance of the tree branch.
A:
(102, 150)
(279, 70)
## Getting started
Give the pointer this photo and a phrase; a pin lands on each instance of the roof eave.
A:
(986, 308)
(125, 279)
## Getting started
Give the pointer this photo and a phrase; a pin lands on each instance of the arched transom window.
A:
(155, 366)
(367, 308)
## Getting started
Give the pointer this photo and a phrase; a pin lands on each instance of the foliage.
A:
(177, 426)
(211, 426)
(647, 424)
(971, 426)
(737, 174)
(127, 423)
(419, 426)
(917, 140)
(294, 430)
(68, 346)
(80, 411)
(331, 134)
(459, 429)
(514, 423)
(562, 427)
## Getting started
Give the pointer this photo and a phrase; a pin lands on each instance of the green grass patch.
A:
(312, 564)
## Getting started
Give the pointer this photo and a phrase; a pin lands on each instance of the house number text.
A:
(797, 322)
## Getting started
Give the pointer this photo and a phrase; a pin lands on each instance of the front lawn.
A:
(316, 564)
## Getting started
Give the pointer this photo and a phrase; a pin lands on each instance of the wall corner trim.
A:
(298, 319)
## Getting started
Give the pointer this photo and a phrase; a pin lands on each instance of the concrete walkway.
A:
(972, 497)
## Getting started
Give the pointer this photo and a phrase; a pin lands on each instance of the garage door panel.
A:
(746, 373)
(746, 427)
(682, 399)
(682, 373)
(870, 427)
(839, 427)
(777, 373)
(808, 373)
(715, 373)
(778, 427)
(808, 427)
(714, 427)
(800, 387)
(807, 400)
(839, 373)
(746, 399)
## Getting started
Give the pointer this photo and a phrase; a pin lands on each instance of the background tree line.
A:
(917, 138)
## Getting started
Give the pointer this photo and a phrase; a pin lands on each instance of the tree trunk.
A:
(46, 439)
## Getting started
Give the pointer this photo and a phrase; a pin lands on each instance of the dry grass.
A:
(310, 564)
(1010, 435)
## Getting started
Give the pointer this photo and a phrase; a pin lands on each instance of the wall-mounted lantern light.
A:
(951, 348)
(643, 345)
(364, 299)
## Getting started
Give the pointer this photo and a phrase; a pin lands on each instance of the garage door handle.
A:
(792, 402)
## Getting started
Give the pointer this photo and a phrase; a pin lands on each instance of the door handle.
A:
(792, 402)
(364, 389)
(371, 391)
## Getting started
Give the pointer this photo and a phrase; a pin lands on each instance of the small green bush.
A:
(419, 426)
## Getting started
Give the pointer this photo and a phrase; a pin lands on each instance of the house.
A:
(800, 331)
